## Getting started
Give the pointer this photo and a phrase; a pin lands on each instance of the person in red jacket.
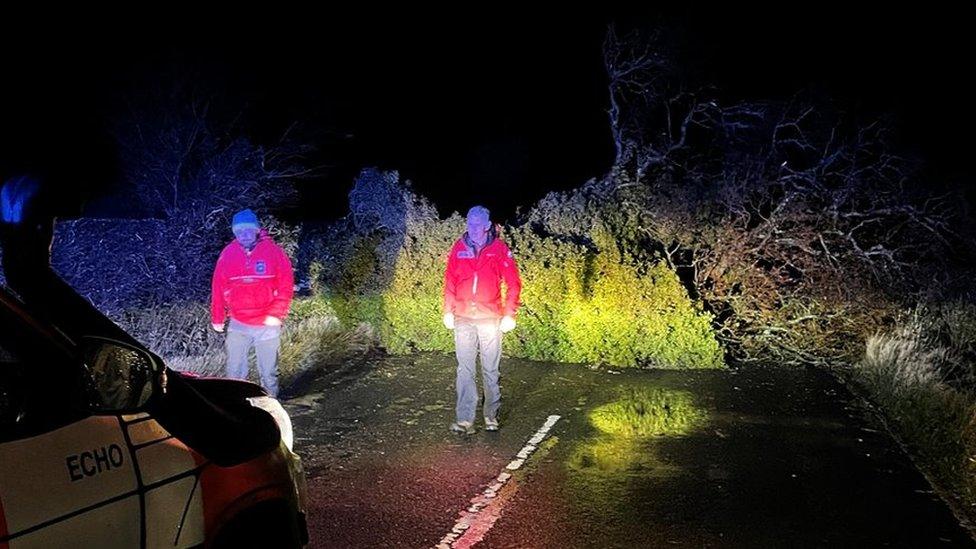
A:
(253, 284)
(474, 308)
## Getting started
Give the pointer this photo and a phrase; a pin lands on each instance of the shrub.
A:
(582, 302)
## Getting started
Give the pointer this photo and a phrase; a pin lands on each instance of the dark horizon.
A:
(492, 109)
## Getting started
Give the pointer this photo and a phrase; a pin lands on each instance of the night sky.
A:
(494, 107)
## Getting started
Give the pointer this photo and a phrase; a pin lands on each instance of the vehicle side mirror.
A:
(118, 377)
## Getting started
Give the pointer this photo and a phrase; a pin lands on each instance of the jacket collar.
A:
(474, 249)
(467, 241)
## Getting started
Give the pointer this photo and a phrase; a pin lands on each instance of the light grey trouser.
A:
(265, 340)
(470, 337)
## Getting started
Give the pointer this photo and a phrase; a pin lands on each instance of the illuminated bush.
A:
(412, 303)
(581, 303)
(601, 306)
(353, 297)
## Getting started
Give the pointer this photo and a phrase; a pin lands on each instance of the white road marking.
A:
(474, 524)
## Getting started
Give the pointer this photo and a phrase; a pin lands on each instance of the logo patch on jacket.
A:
(465, 254)
(260, 267)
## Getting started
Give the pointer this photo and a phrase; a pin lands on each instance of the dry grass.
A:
(913, 375)
(182, 336)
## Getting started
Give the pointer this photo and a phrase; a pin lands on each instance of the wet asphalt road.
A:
(772, 457)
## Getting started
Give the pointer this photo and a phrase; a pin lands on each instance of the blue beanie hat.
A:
(243, 219)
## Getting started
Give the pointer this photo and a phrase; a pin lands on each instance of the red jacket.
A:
(472, 282)
(252, 285)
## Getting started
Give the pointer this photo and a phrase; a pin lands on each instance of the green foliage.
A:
(602, 306)
(413, 301)
(582, 302)
(311, 307)
(355, 298)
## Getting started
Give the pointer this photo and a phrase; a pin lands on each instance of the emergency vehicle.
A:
(102, 445)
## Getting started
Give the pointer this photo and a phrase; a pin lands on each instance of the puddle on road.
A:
(628, 427)
(645, 413)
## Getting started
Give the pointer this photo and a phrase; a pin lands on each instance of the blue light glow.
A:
(14, 198)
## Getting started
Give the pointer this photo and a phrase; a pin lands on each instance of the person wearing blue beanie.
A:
(253, 284)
